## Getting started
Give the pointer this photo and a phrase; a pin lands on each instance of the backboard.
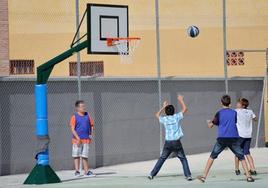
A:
(106, 21)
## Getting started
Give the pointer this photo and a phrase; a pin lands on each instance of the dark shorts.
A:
(245, 145)
(233, 144)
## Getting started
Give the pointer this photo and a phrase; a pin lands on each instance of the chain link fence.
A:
(123, 110)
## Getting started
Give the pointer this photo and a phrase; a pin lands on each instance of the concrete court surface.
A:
(135, 174)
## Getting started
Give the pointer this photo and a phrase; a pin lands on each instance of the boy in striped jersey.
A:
(173, 130)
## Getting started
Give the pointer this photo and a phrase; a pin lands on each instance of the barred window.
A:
(235, 58)
(88, 68)
(21, 66)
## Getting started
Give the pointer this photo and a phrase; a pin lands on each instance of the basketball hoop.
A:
(125, 47)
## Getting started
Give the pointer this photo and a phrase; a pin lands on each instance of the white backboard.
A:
(106, 21)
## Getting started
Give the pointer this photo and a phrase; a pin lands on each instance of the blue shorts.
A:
(233, 144)
(245, 145)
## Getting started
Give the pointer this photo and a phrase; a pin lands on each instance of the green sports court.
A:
(131, 175)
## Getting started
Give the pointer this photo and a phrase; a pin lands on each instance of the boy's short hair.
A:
(244, 102)
(77, 103)
(169, 110)
(226, 100)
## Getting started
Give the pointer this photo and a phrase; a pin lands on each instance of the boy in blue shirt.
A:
(173, 130)
(226, 120)
(82, 126)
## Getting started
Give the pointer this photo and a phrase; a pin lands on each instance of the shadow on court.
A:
(98, 175)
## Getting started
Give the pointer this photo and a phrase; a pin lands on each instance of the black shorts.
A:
(245, 145)
(233, 144)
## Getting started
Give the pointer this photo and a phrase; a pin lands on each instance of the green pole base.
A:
(42, 175)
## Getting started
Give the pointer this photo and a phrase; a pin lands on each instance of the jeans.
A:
(232, 143)
(169, 147)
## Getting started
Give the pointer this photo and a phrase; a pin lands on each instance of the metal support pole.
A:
(260, 112)
(158, 65)
(78, 59)
(41, 120)
(224, 48)
(265, 102)
(78, 53)
(262, 97)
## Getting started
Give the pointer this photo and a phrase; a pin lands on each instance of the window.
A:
(88, 68)
(21, 66)
(235, 58)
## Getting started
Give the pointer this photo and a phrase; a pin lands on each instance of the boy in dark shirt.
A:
(226, 119)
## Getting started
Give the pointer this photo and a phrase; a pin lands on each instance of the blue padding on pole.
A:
(41, 110)
(41, 127)
(41, 120)
(43, 158)
(41, 100)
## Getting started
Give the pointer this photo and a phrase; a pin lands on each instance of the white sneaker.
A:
(189, 178)
(150, 177)
(77, 173)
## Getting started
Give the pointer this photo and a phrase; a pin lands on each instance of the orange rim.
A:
(111, 40)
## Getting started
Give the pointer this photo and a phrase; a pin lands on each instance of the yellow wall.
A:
(41, 29)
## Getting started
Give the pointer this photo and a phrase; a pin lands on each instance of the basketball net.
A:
(125, 47)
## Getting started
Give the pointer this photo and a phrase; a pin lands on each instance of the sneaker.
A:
(150, 177)
(237, 172)
(250, 179)
(201, 178)
(253, 172)
(90, 174)
(77, 173)
(189, 178)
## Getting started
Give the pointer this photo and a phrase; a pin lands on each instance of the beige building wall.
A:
(4, 50)
(40, 30)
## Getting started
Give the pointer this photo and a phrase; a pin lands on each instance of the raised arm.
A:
(183, 106)
(157, 114)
